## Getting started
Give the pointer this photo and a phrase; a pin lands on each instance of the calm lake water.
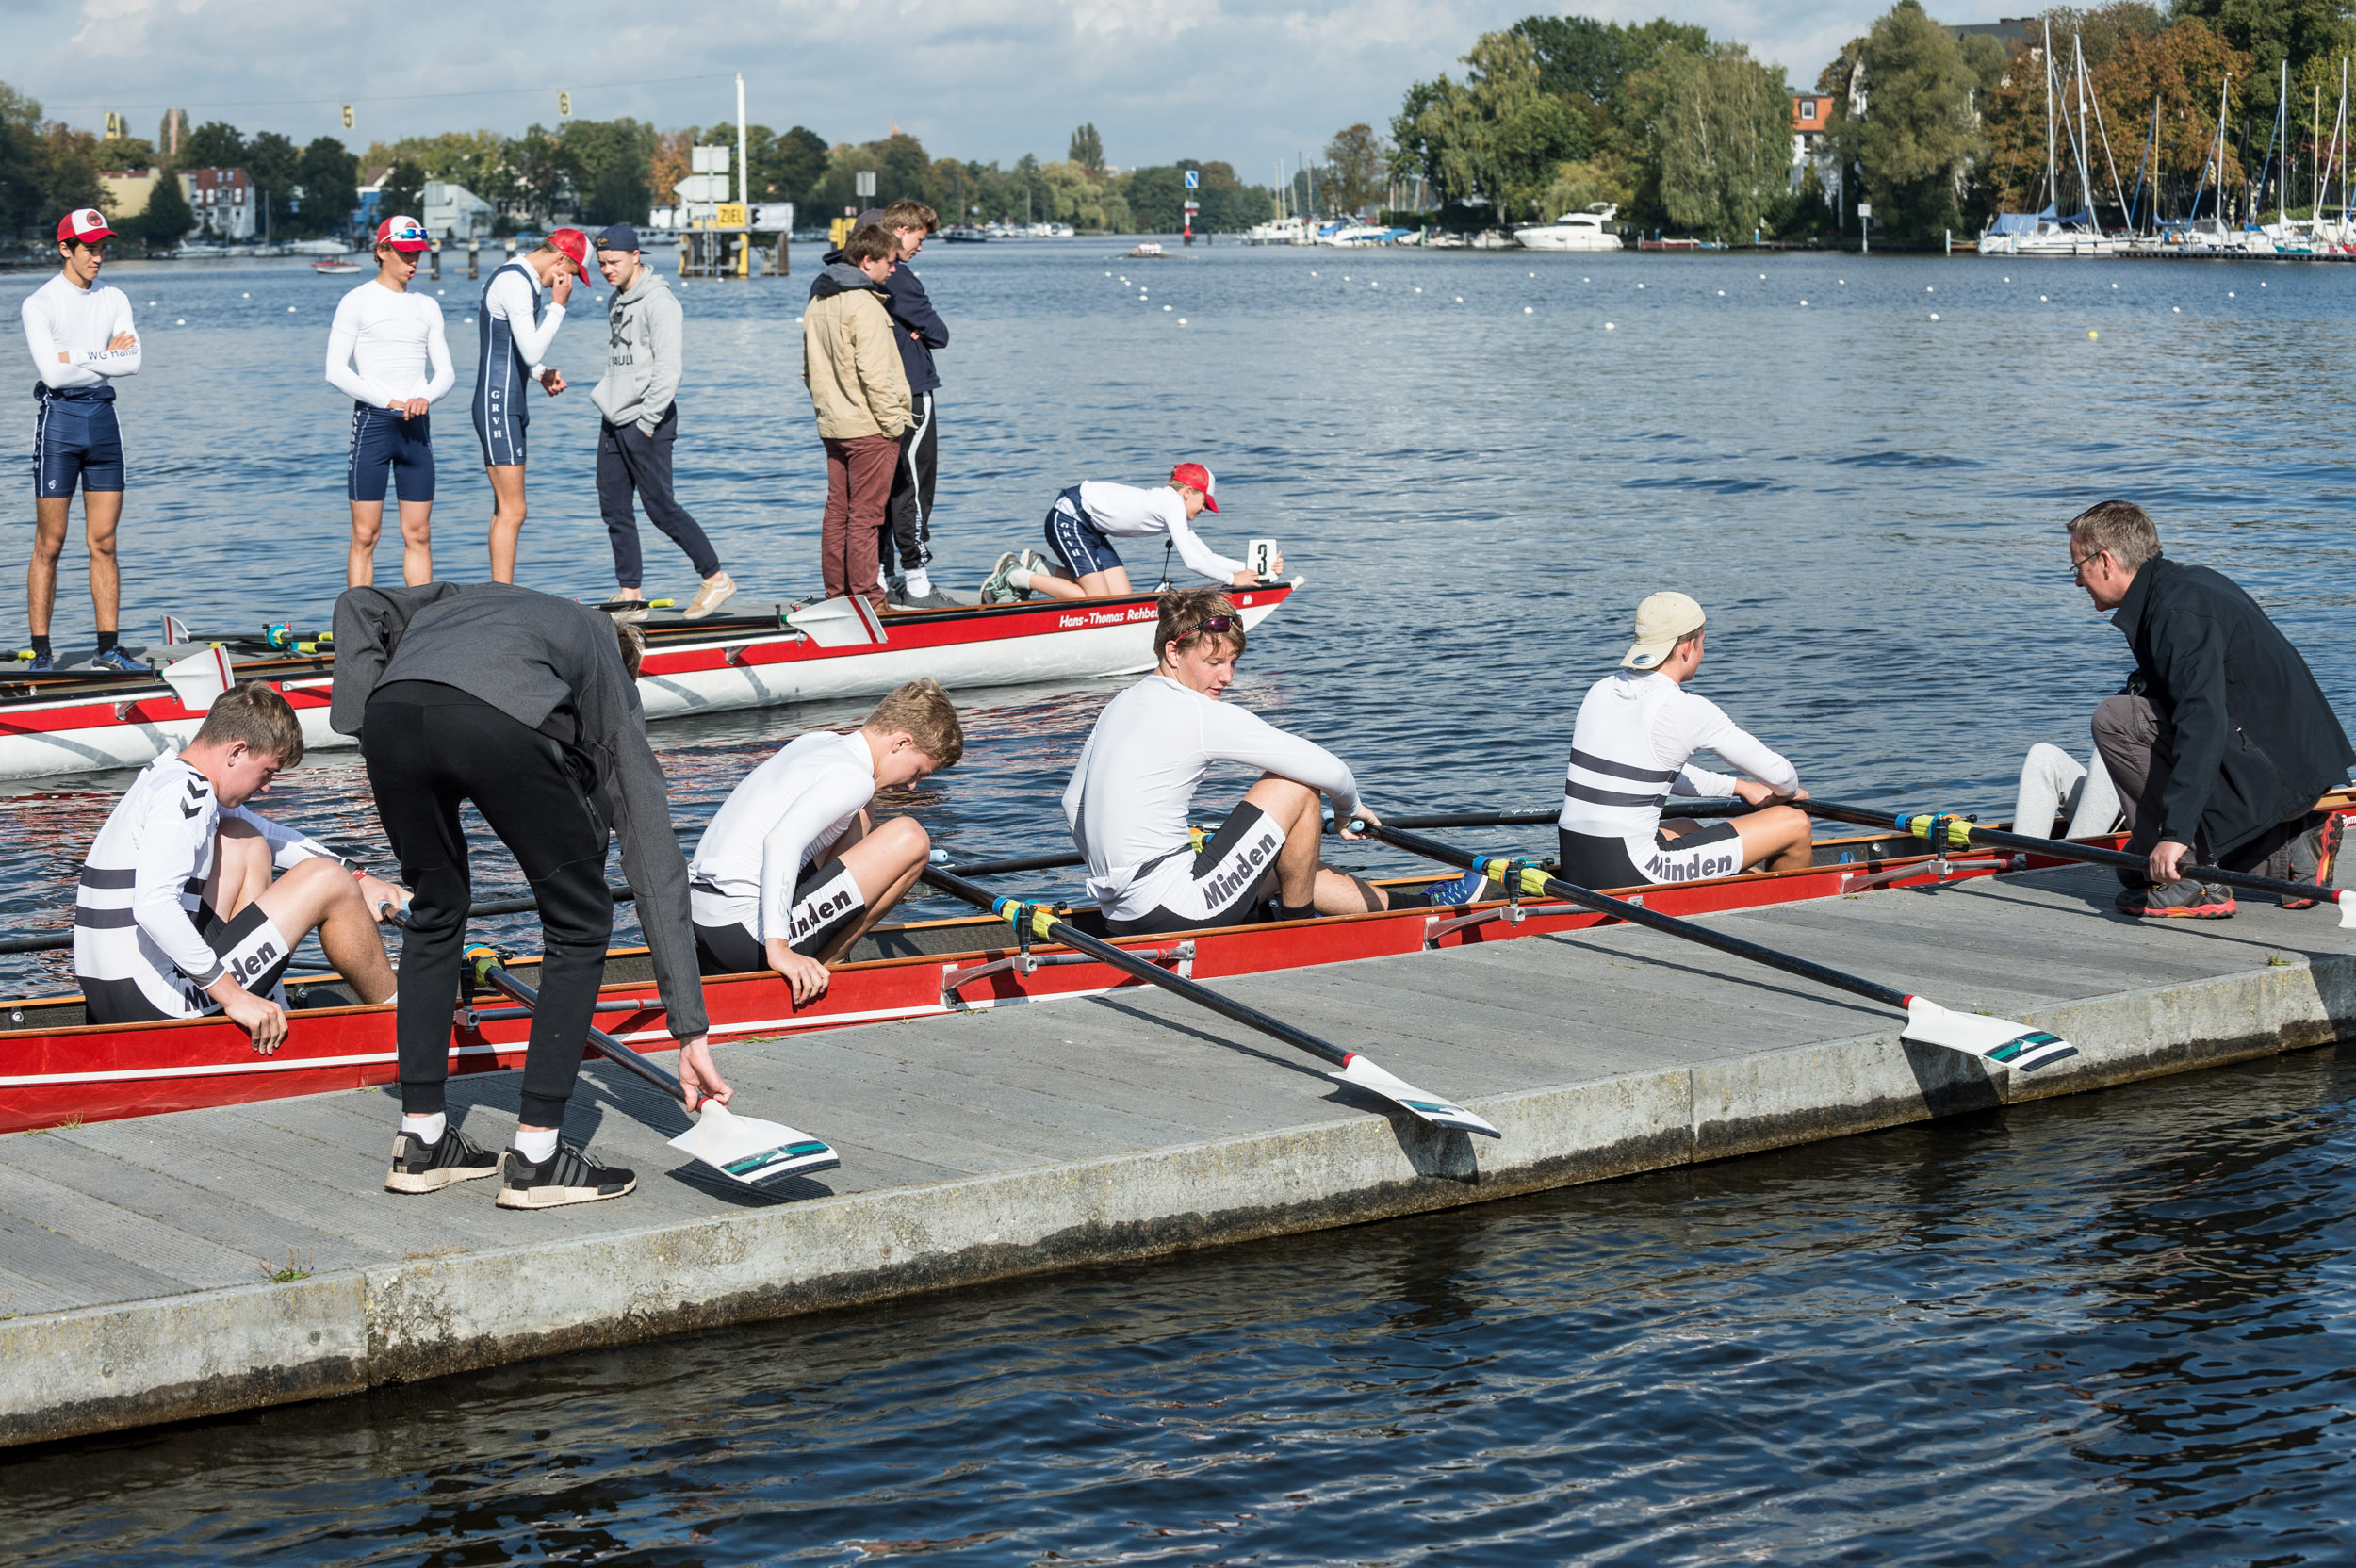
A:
(2107, 1330)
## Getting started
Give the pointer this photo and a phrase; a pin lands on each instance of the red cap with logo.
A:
(403, 232)
(86, 224)
(574, 245)
(1197, 476)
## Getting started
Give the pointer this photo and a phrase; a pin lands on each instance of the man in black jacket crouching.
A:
(2221, 741)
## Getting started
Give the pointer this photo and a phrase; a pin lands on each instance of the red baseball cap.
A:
(1197, 476)
(85, 224)
(575, 247)
(403, 232)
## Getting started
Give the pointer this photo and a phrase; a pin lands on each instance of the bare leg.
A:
(367, 523)
(100, 511)
(507, 518)
(417, 542)
(41, 576)
(1775, 839)
(1301, 881)
(885, 862)
(1097, 585)
(1056, 587)
(241, 869)
(320, 895)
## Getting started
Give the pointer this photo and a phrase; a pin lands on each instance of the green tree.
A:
(271, 161)
(794, 164)
(1088, 150)
(1919, 136)
(616, 161)
(329, 178)
(122, 153)
(169, 219)
(1717, 143)
(2269, 31)
(1355, 164)
(548, 174)
(476, 159)
(1498, 136)
(215, 144)
(404, 190)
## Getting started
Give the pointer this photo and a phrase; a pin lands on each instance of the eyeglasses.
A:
(2079, 563)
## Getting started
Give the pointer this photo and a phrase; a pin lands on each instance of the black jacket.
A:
(920, 328)
(528, 654)
(2255, 741)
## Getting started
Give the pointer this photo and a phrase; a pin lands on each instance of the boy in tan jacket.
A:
(851, 364)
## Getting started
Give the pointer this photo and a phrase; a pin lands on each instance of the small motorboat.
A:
(336, 268)
(1590, 229)
(1148, 248)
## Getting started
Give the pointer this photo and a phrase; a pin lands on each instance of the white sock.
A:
(427, 1127)
(1019, 580)
(535, 1145)
(919, 583)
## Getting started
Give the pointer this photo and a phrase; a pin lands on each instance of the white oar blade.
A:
(750, 1151)
(1992, 1039)
(2347, 906)
(1440, 1113)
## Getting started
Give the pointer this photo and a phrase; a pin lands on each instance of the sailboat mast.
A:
(2079, 140)
(2283, 136)
(2052, 179)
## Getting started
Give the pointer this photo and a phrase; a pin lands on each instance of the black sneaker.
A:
(2185, 900)
(568, 1176)
(422, 1167)
(2315, 855)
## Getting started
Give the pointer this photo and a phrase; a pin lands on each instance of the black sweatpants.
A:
(909, 515)
(631, 460)
(429, 747)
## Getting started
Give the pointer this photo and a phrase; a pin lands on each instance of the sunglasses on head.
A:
(1214, 623)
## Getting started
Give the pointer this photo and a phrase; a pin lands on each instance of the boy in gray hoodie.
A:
(641, 422)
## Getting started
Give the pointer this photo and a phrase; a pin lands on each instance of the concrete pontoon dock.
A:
(135, 1257)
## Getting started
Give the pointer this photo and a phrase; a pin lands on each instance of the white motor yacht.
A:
(1280, 231)
(1591, 230)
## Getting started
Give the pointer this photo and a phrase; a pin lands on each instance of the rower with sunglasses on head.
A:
(1130, 796)
(387, 352)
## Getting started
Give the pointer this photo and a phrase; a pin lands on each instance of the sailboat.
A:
(2051, 232)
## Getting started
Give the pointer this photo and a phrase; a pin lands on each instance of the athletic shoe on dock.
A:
(42, 662)
(568, 1176)
(1457, 891)
(422, 1167)
(2178, 900)
(716, 590)
(121, 662)
(2315, 855)
(994, 589)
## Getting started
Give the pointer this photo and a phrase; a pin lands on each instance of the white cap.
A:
(1661, 620)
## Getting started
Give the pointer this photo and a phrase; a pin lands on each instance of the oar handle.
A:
(489, 971)
(1044, 923)
(1534, 880)
(1960, 834)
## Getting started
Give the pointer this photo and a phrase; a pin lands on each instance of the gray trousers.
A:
(2137, 744)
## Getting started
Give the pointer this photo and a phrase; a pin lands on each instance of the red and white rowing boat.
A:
(72, 720)
(55, 1068)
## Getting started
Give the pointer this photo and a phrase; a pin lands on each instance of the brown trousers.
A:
(858, 485)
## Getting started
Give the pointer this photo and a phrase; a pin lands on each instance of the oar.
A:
(1993, 1039)
(1351, 1067)
(1961, 834)
(740, 1147)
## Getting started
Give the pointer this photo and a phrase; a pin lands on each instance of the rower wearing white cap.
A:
(387, 352)
(1630, 751)
(1089, 516)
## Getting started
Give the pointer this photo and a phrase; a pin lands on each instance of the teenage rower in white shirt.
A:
(1089, 516)
(794, 869)
(81, 340)
(1130, 795)
(1636, 730)
(516, 332)
(387, 354)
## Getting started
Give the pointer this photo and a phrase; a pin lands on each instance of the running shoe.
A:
(938, 599)
(628, 610)
(2315, 855)
(2185, 900)
(716, 590)
(122, 664)
(41, 662)
(1457, 891)
(994, 589)
(422, 1167)
(568, 1176)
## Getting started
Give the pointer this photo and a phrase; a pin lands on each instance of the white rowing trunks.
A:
(1224, 883)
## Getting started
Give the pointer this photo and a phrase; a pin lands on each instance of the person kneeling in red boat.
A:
(1089, 516)
(1129, 797)
(192, 904)
(794, 869)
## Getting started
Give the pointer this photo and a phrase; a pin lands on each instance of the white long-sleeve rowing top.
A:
(509, 298)
(1629, 753)
(61, 318)
(1129, 796)
(386, 346)
(1126, 511)
(786, 814)
(134, 913)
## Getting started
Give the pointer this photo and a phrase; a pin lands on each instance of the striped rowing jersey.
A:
(1636, 731)
(143, 884)
(512, 349)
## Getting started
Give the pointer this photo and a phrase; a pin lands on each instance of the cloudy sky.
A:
(1250, 81)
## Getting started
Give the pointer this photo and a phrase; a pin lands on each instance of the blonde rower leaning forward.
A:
(794, 869)
(1630, 751)
(1128, 801)
(179, 914)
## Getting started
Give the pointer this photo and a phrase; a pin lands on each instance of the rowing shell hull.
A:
(52, 1076)
(102, 725)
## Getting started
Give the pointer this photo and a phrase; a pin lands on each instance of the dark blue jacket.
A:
(920, 328)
